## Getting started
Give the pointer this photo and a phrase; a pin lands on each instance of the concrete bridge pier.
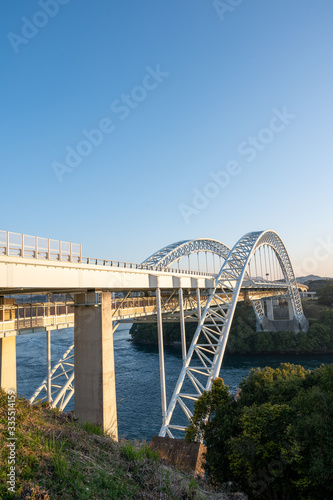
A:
(8, 363)
(269, 323)
(7, 352)
(95, 384)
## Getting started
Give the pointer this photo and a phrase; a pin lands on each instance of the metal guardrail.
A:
(24, 245)
(15, 317)
(35, 247)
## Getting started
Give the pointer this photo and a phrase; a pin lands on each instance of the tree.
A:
(263, 456)
(326, 295)
(274, 439)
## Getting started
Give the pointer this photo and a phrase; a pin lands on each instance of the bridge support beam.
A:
(48, 375)
(161, 353)
(198, 304)
(182, 324)
(290, 309)
(270, 309)
(95, 387)
(8, 363)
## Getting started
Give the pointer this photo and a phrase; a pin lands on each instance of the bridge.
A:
(94, 296)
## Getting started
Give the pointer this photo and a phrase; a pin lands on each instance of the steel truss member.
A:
(204, 358)
(171, 253)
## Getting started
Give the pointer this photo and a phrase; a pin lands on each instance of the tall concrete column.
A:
(290, 309)
(270, 310)
(95, 384)
(8, 363)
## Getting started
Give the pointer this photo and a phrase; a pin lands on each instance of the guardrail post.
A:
(7, 243)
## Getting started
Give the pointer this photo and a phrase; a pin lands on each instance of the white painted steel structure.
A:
(204, 358)
(171, 253)
(33, 264)
(58, 387)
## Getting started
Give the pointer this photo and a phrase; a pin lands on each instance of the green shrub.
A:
(274, 439)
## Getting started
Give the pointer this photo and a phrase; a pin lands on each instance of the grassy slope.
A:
(57, 458)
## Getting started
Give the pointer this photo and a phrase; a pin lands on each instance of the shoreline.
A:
(236, 353)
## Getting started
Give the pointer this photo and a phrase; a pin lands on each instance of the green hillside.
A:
(58, 458)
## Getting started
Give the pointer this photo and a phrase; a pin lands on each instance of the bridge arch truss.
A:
(205, 355)
(172, 253)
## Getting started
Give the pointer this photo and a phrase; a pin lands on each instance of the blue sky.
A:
(182, 94)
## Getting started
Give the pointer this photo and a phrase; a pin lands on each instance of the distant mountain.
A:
(310, 277)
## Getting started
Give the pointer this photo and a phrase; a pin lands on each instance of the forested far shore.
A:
(244, 339)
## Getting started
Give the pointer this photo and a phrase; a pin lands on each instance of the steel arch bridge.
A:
(205, 355)
(202, 362)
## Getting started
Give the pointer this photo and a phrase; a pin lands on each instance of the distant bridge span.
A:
(257, 269)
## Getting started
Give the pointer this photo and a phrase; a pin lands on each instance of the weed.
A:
(93, 428)
(60, 466)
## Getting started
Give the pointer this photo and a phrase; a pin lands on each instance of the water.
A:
(137, 374)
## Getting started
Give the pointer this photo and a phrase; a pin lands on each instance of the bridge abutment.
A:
(289, 323)
(8, 363)
(95, 385)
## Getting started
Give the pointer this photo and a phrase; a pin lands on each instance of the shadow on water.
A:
(138, 375)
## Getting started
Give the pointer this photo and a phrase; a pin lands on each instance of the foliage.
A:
(146, 333)
(317, 285)
(274, 439)
(326, 295)
(244, 339)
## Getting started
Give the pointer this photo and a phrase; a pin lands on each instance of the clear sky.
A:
(129, 125)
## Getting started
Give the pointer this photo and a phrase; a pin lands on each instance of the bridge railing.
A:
(25, 245)
(132, 265)
(14, 317)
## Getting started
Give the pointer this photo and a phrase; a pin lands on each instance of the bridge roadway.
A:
(27, 318)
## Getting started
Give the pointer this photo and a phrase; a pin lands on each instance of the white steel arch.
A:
(61, 382)
(171, 253)
(204, 358)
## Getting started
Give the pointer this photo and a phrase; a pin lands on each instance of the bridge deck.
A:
(20, 319)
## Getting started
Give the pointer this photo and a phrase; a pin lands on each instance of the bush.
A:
(274, 439)
(326, 295)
